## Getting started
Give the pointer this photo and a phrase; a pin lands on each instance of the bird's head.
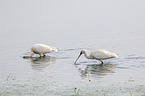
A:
(84, 51)
(54, 49)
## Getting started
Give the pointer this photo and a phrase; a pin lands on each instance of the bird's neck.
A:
(87, 55)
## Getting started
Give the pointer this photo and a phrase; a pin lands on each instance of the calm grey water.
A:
(70, 26)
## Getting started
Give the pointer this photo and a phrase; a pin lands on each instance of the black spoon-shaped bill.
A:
(78, 58)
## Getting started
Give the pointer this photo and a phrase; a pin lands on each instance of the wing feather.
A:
(102, 54)
(41, 48)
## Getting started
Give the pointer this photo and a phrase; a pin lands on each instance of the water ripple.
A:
(122, 67)
(136, 57)
(71, 49)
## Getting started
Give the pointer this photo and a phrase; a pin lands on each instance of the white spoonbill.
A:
(41, 49)
(100, 55)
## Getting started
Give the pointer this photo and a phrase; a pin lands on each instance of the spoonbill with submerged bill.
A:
(41, 49)
(100, 55)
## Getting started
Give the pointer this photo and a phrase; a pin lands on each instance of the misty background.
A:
(71, 16)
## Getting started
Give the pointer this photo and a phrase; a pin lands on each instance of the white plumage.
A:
(41, 49)
(100, 55)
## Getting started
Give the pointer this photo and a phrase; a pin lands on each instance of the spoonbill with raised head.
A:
(100, 55)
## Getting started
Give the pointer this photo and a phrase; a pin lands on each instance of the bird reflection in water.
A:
(40, 63)
(97, 70)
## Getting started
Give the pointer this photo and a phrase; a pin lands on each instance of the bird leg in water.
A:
(41, 55)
